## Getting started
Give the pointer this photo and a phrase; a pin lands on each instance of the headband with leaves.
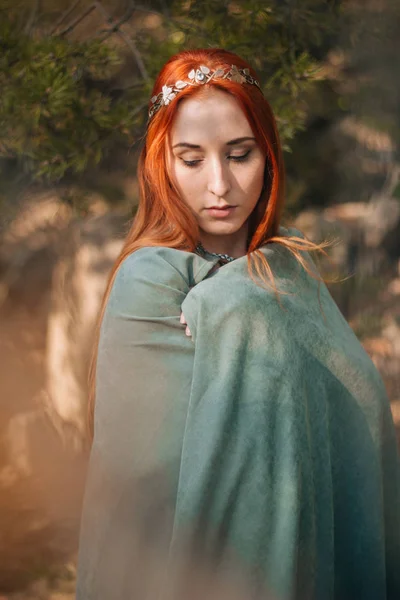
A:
(199, 76)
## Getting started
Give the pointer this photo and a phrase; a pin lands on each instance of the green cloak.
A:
(257, 460)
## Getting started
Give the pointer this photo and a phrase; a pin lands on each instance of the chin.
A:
(221, 225)
(220, 230)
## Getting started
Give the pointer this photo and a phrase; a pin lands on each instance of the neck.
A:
(232, 245)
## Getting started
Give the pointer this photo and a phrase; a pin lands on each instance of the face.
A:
(214, 160)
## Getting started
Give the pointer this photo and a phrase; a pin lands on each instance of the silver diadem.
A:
(199, 76)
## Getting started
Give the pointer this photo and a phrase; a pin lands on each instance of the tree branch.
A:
(122, 20)
(128, 41)
(32, 18)
(115, 28)
(64, 16)
(72, 25)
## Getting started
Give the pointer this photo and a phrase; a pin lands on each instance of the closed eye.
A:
(194, 163)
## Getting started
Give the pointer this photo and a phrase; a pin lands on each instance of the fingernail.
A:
(187, 331)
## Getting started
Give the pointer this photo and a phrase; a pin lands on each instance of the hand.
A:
(183, 320)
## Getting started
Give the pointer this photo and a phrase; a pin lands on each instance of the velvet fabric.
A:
(255, 460)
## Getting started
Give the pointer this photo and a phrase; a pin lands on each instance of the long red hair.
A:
(164, 219)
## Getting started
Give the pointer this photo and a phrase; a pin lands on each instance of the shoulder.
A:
(291, 231)
(165, 265)
(152, 264)
(156, 278)
(148, 257)
(145, 283)
(232, 293)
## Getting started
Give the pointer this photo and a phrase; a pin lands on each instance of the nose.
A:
(219, 178)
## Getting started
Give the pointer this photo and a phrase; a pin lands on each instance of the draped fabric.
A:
(257, 460)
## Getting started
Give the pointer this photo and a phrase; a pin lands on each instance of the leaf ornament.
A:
(167, 94)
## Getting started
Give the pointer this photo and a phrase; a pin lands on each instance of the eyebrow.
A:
(230, 143)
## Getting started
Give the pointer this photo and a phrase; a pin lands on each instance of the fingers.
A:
(183, 320)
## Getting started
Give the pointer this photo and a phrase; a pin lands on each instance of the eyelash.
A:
(193, 163)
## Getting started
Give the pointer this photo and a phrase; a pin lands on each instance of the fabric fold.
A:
(257, 460)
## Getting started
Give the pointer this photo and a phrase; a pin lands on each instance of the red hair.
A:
(164, 219)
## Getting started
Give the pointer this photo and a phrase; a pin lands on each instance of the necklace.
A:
(200, 248)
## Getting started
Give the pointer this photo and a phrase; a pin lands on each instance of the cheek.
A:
(252, 180)
(186, 181)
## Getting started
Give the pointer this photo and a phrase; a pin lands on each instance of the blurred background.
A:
(75, 80)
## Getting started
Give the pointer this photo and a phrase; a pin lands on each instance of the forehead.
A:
(214, 114)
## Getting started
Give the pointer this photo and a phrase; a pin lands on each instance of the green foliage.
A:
(61, 112)
(52, 115)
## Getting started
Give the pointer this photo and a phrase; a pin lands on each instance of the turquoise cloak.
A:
(257, 460)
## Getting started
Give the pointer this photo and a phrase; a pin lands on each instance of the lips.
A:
(221, 212)
(221, 207)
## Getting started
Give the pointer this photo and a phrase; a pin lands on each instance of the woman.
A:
(255, 457)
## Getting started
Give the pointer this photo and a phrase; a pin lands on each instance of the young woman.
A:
(255, 456)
